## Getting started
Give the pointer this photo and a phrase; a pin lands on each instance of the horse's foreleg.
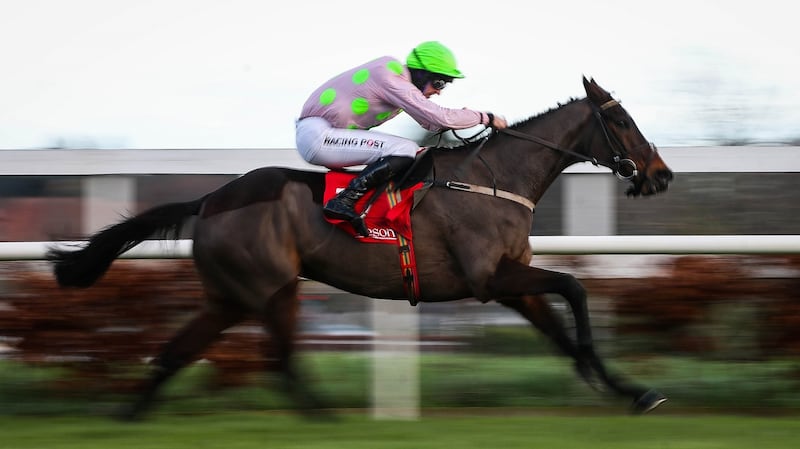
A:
(537, 310)
(516, 284)
(181, 350)
(280, 321)
(514, 279)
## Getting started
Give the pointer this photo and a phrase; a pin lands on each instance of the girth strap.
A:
(405, 249)
(466, 187)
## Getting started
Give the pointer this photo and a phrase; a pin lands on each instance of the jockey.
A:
(334, 128)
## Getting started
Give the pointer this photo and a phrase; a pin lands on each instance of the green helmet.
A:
(433, 57)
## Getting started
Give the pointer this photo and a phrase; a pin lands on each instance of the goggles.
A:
(438, 84)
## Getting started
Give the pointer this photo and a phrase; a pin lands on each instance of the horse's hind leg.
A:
(280, 321)
(182, 349)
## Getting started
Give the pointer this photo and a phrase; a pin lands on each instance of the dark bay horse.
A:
(255, 236)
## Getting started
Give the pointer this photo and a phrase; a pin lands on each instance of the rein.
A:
(473, 188)
(548, 144)
(613, 143)
(611, 140)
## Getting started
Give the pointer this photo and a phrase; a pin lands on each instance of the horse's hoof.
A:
(648, 401)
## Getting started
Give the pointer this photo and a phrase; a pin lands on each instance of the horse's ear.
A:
(587, 82)
(596, 94)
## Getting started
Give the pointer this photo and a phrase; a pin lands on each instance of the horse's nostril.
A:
(664, 175)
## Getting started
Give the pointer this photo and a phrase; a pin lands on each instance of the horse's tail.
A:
(83, 267)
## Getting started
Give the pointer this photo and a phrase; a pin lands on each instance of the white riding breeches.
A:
(321, 144)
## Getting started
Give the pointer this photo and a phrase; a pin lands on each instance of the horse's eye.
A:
(623, 124)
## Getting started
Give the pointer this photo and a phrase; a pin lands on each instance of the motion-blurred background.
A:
(87, 86)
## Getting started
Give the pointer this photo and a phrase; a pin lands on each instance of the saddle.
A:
(387, 214)
(386, 209)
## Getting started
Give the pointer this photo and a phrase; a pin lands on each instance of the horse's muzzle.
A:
(655, 181)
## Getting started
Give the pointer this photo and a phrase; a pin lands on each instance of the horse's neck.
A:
(534, 167)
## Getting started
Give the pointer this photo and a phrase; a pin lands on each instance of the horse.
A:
(255, 237)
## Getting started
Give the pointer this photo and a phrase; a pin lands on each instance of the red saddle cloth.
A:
(388, 216)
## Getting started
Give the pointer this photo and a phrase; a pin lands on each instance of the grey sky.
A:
(234, 73)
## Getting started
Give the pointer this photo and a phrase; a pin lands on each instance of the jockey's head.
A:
(432, 66)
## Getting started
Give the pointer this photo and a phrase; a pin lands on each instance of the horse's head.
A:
(622, 147)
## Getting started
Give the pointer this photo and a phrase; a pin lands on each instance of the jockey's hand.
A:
(497, 121)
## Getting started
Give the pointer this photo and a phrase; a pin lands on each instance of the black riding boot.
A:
(342, 206)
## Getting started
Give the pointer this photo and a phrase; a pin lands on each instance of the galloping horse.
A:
(257, 235)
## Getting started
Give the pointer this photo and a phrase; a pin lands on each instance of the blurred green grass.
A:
(355, 431)
(446, 380)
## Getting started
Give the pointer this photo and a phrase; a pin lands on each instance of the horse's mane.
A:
(516, 125)
(533, 118)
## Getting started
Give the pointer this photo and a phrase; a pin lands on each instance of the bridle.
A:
(617, 147)
(619, 162)
(621, 165)
(614, 143)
